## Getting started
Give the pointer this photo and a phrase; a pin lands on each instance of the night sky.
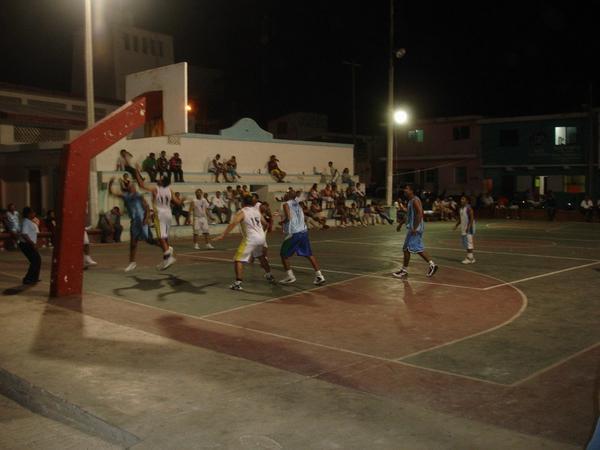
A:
(490, 58)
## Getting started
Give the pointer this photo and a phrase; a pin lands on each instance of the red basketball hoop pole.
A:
(67, 258)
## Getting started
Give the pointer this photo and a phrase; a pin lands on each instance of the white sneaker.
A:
(288, 280)
(468, 261)
(88, 261)
(131, 266)
(196, 246)
(236, 286)
(210, 246)
(168, 262)
(402, 274)
(319, 280)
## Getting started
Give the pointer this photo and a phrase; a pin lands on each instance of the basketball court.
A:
(511, 341)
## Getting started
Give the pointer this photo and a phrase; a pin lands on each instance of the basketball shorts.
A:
(250, 248)
(414, 242)
(296, 244)
(162, 223)
(200, 225)
(467, 241)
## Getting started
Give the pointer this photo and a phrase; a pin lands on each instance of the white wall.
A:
(197, 152)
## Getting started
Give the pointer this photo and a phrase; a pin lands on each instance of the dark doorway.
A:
(35, 190)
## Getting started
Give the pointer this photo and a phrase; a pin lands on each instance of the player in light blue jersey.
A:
(414, 235)
(296, 240)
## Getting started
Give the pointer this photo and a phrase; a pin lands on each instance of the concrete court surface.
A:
(503, 354)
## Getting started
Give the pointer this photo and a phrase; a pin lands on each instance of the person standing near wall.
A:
(28, 245)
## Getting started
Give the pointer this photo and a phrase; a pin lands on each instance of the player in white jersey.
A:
(466, 222)
(296, 240)
(199, 211)
(163, 196)
(254, 241)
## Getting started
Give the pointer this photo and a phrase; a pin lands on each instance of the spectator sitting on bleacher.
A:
(334, 174)
(354, 215)
(177, 209)
(586, 207)
(347, 178)
(370, 215)
(438, 208)
(313, 194)
(274, 169)
(327, 196)
(401, 212)
(361, 196)
(381, 213)
(310, 221)
(110, 225)
(162, 165)
(316, 212)
(149, 166)
(217, 168)
(176, 168)
(231, 169)
(219, 208)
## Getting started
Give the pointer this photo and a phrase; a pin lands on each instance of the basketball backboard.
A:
(172, 81)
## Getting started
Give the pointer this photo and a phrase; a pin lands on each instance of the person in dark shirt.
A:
(149, 166)
(274, 170)
(162, 165)
(175, 166)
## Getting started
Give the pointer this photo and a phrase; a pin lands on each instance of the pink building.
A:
(440, 154)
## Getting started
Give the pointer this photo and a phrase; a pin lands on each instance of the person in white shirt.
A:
(28, 245)
(466, 222)
(13, 223)
(199, 211)
(254, 241)
(333, 172)
(587, 208)
(219, 208)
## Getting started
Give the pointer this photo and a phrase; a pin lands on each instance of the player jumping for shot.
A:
(253, 243)
(414, 235)
(163, 196)
(137, 209)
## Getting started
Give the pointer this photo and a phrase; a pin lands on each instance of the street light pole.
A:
(89, 97)
(390, 114)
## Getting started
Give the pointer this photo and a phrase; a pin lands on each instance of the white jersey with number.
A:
(163, 198)
(253, 236)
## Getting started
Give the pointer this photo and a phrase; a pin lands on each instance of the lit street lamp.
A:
(400, 117)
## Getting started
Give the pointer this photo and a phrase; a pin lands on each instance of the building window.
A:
(460, 133)
(126, 41)
(416, 135)
(431, 176)
(509, 138)
(460, 175)
(152, 47)
(565, 135)
(136, 47)
(144, 45)
(406, 176)
(574, 183)
(160, 49)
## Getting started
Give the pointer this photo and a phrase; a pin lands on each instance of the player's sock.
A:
(318, 273)
(290, 273)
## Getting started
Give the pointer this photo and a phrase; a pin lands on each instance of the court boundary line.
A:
(543, 275)
(555, 365)
(524, 305)
(477, 251)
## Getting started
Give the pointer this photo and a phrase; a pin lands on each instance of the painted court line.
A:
(524, 304)
(477, 251)
(341, 272)
(555, 365)
(556, 272)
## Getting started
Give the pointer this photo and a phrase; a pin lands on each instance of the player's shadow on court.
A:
(177, 285)
(16, 290)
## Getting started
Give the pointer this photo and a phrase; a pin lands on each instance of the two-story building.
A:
(440, 155)
(536, 153)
